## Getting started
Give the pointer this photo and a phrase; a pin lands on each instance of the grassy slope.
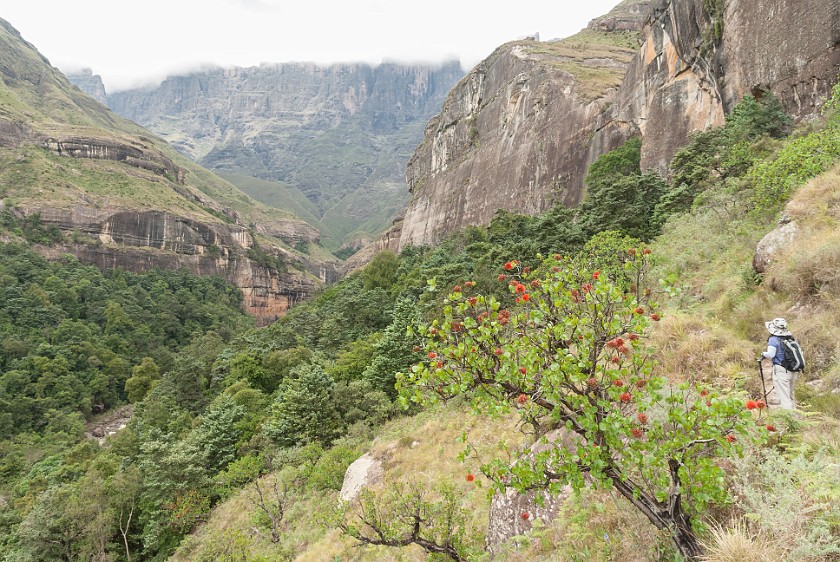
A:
(711, 332)
(35, 93)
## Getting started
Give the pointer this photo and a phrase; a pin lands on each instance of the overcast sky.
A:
(142, 41)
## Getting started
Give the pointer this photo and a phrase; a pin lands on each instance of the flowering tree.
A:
(569, 357)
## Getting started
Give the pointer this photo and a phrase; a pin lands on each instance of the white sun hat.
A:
(778, 327)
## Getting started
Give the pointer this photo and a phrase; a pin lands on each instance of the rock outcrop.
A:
(89, 83)
(119, 197)
(363, 472)
(519, 132)
(772, 244)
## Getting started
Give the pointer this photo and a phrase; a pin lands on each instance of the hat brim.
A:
(774, 331)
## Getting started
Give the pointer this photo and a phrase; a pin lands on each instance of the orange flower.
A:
(470, 477)
(522, 398)
(508, 266)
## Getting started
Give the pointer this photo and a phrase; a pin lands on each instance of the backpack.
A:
(793, 360)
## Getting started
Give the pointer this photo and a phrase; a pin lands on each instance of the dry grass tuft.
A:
(690, 348)
(737, 544)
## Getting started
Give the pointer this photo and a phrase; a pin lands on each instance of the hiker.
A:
(783, 378)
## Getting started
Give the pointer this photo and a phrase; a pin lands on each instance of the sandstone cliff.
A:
(519, 132)
(119, 197)
(89, 83)
(340, 134)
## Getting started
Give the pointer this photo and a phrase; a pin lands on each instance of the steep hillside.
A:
(779, 486)
(122, 197)
(490, 149)
(340, 134)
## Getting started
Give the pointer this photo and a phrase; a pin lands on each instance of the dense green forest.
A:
(218, 403)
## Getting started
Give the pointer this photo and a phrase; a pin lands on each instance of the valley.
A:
(399, 313)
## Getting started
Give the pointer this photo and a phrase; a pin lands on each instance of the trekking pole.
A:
(763, 386)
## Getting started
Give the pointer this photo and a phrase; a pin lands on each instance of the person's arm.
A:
(770, 353)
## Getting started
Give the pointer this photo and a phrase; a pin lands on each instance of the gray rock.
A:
(508, 510)
(774, 242)
(365, 471)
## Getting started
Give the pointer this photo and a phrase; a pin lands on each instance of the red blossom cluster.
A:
(637, 433)
(525, 516)
(470, 477)
(655, 317)
(625, 397)
(504, 316)
(615, 343)
(522, 398)
(751, 404)
(595, 275)
(642, 417)
(618, 382)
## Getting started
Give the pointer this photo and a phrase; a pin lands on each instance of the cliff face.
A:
(89, 83)
(335, 133)
(520, 132)
(120, 197)
(694, 66)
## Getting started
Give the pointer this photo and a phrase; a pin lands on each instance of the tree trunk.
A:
(670, 518)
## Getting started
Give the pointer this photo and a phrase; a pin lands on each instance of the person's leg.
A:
(783, 381)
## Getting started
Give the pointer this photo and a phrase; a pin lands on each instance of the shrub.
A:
(571, 356)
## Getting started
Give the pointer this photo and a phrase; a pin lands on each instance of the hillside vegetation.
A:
(240, 437)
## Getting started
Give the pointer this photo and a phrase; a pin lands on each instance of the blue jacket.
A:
(776, 342)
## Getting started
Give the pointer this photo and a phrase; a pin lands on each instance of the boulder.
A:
(773, 243)
(365, 471)
(513, 513)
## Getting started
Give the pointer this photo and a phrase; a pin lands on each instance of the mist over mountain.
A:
(341, 135)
